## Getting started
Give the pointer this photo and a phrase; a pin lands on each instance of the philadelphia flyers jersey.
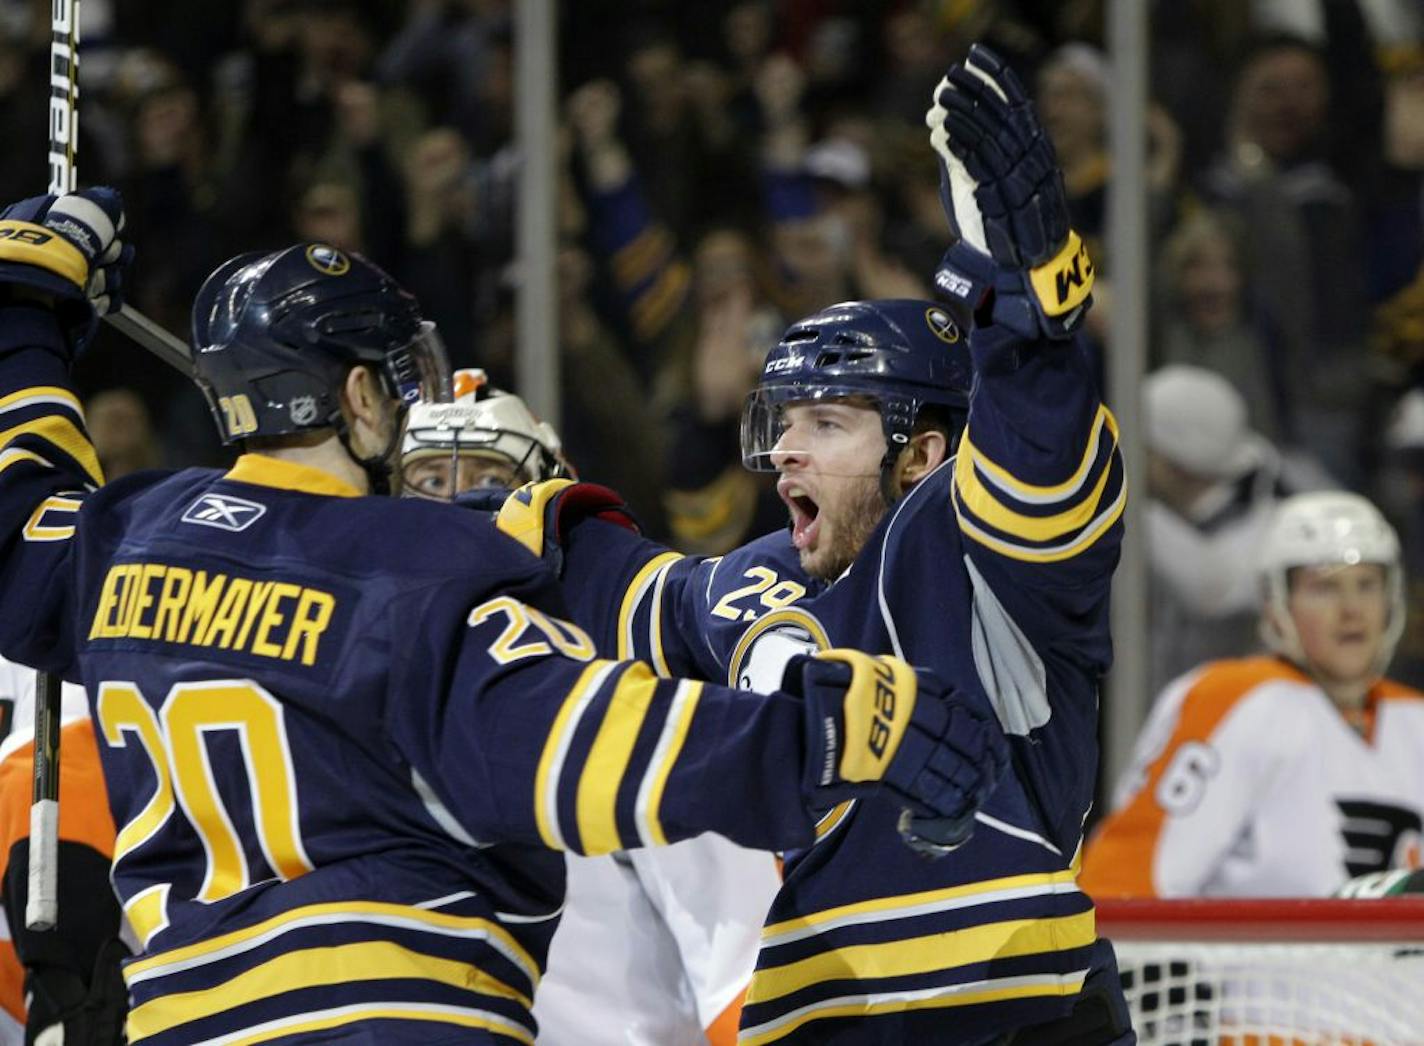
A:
(994, 571)
(344, 737)
(1248, 782)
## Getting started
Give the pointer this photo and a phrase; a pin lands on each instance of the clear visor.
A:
(421, 370)
(825, 423)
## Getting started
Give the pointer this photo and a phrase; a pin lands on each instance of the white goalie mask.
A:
(484, 438)
(1322, 529)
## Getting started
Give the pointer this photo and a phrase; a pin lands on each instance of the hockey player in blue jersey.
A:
(954, 490)
(344, 737)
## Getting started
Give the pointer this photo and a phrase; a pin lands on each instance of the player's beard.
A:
(851, 527)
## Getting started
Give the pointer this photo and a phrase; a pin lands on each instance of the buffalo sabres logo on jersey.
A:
(941, 326)
(327, 260)
(761, 655)
(224, 512)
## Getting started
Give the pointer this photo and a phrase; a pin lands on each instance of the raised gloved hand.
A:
(878, 721)
(67, 250)
(1016, 262)
(540, 515)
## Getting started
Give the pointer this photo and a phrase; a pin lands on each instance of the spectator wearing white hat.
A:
(1212, 483)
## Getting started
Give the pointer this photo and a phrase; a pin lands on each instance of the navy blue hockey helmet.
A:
(274, 336)
(901, 354)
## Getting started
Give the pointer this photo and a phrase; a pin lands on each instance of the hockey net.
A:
(1271, 973)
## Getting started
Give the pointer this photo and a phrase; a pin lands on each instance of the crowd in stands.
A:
(730, 166)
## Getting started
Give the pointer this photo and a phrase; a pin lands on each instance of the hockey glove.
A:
(68, 250)
(540, 515)
(1016, 262)
(878, 721)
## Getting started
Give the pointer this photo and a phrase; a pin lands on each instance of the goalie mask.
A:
(896, 356)
(484, 438)
(1329, 528)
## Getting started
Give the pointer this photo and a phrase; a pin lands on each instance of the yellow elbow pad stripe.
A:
(1063, 283)
(29, 244)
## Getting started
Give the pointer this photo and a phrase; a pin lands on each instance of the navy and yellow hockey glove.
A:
(67, 250)
(540, 515)
(1016, 262)
(877, 721)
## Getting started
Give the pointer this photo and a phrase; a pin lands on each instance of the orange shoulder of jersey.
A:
(1118, 859)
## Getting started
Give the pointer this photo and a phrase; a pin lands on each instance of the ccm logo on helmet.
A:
(327, 260)
(785, 363)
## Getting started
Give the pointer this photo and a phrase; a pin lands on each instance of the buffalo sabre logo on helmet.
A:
(328, 260)
(281, 331)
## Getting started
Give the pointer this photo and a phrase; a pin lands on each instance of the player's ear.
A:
(924, 453)
(362, 398)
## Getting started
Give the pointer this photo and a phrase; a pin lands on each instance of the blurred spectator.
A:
(1071, 97)
(1212, 486)
(1283, 775)
(456, 55)
(123, 436)
(1204, 321)
(1302, 223)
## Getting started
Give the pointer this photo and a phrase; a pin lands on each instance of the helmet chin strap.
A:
(379, 467)
(895, 443)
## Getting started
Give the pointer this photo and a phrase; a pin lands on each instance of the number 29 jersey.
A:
(994, 571)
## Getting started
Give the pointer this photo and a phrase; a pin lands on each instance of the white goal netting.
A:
(1272, 978)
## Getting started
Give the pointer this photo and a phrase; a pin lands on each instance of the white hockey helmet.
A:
(483, 421)
(1326, 528)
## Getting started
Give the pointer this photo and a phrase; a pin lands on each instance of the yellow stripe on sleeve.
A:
(674, 735)
(551, 760)
(314, 968)
(607, 762)
(1054, 553)
(61, 432)
(633, 595)
(378, 913)
(972, 994)
(1044, 495)
(39, 394)
(391, 1011)
(979, 500)
(918, 955)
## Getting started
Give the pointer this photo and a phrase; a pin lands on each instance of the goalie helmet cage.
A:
(1271, 972)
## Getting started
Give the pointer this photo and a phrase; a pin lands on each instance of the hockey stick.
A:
(64, 172)
(42, 903)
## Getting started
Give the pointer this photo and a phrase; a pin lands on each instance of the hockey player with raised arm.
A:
(341, 760)
(655, 946)
(954, 489)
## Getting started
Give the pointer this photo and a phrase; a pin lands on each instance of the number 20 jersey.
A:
(343, 737)
(994, 571)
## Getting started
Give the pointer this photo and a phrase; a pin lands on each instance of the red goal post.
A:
(1266, 972)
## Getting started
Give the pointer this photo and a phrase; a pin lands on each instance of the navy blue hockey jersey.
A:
(994, 570)
(344, 737)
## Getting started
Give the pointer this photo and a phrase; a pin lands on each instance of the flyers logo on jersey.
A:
(327, 260)
(224, 512)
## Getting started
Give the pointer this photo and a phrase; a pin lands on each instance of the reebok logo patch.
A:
(224, 512)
